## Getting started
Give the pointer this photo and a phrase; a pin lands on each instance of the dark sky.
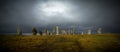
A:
(79, 14)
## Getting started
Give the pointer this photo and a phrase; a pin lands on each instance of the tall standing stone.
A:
(57, 30)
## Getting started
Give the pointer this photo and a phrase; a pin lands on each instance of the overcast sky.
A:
(79, 14)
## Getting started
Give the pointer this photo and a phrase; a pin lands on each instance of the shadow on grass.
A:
(62, 46)
(112, 47)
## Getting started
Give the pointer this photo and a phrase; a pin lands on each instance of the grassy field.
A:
(60, 43)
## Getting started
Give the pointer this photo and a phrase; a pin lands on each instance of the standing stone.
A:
(46, 31)
(34, 31)
(64, 32)
(41, 33)
(82, 33)
(57, 30)
(89, 32)
(99, 31)
(19, 30)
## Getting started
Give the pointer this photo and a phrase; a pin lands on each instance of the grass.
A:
(61, 43)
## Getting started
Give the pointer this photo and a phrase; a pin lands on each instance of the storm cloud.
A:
(79, 14)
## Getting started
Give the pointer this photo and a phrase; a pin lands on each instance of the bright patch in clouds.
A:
(61, 12)
(54, 8)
